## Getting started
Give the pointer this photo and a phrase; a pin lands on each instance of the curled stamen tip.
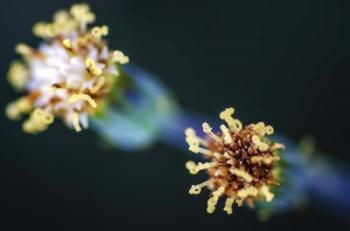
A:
(228, 112)
(23, 49)
(269, 130)
(194, 149)
(190, 132)
(195, 190)
(206, 127)
(191, 167)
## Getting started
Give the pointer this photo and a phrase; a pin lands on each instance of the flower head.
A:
(242, 162)
(68, 75)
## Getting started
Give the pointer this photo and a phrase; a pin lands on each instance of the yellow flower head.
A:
(68, 75)
(242, 162)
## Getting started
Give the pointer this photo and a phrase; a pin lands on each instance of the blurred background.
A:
(282, 62)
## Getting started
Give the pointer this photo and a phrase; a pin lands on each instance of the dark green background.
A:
(283, 62)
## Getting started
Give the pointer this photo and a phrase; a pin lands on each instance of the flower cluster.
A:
(242, 164)
(68, 75)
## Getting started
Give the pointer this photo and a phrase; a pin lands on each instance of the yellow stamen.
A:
(227, 135)
(265, 191)
(119, 57)
(228, 204)
(99, 84)
(81, 96)
(81, 13)
(67, 44)
(18, 75)
(269, 130)
(38, 121)
(259, 144)
(196, 189)
(214, 199)
(76, 124)
(195, 168)
(277, 146)
(61, 16)
(23, 49)
(40, 115)
(247, 191)
(39, 29)
(240, 173)
(15, 109)
(68, 47)
(262, 129)
(208, 130)
(92, 67)
(234, 124)
(264, 159)
(98, 32)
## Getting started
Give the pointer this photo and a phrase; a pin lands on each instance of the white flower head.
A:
(68, 75)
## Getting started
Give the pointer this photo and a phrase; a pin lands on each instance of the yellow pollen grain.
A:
(76, 124)
(81, 96)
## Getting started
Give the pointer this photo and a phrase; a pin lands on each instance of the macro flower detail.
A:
(242, 162)
(68, 75)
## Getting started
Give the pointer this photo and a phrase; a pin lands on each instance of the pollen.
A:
(119, 57)
(38, 121)
(92, 67)
(68, 76)
(81, 96)
(98, 32)
(82, 13)
(15, 109)
(18, 75)
(242, 162)
(76, 124)
(23, 49)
